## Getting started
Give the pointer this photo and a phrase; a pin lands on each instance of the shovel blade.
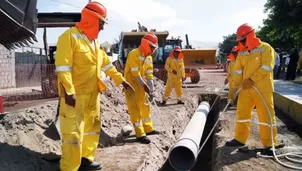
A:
(53, 131)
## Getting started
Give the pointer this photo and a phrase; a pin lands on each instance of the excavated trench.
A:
(204, 160)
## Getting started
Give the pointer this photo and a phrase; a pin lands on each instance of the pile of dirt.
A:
(25, 134)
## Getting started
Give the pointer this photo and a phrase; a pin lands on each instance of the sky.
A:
(206, 21)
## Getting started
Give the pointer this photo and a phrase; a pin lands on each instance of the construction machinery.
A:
(18, 23)
(194, 58)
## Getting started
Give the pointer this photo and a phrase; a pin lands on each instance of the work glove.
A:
(127, 86)
(70, 99)
(248, 83)
(174, 72)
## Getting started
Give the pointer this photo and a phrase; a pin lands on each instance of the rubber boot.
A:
(180, 102)
(87, 165)
(234, 143)
(143, 140)
(154, 132)
(267, 151)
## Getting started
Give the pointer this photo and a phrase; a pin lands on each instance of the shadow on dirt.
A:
(26, 160)
(289, 124)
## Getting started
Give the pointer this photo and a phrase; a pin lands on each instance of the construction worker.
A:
(139, 73)
(176, 75)
(254, 67)
(79, 62)
(231, 63)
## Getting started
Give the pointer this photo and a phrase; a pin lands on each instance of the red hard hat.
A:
(152, 39)
(244, 30)
(177, 49)
(99, 9)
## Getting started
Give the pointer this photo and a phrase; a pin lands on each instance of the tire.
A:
(195, 77)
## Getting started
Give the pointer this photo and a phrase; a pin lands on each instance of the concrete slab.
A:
(289, 90)
(288, 98)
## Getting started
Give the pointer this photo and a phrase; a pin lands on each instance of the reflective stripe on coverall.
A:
(78, 66)
(137, 102)
(174, 80)
(257, 65)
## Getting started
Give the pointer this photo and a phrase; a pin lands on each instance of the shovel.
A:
(53, 131)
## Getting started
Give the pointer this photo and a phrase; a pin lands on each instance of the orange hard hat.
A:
(177, 49)
(99, 9)
(148, 40)
(152, 39)
(243, 31)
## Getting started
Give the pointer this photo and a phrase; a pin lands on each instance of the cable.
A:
(286, 155)
(217, 121)
(159, 113)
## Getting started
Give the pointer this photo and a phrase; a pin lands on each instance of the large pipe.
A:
(183, 154)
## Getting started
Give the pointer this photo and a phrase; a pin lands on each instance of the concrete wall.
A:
(7, 68)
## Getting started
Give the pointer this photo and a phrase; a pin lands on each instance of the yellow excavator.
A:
(194, 60)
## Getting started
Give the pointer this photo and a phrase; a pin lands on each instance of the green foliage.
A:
(283, 27)
(226, 46)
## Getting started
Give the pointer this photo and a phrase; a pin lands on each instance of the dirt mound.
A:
(25, 137)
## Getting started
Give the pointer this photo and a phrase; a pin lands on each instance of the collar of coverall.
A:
(231, 57)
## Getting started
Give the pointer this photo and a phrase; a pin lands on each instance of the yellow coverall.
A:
(78, 65)
(257, 65)
(138, 65)
(174, 80)
(229, 77)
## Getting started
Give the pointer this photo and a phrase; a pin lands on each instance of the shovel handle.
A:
(58, 112)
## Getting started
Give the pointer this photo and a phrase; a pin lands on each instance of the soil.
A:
(27, 133)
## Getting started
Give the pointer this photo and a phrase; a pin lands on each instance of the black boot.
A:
(143, 140)
(87, 165)
(234, 143)
(268, 151)
(154, 132)
(180, 102)
(164, 103)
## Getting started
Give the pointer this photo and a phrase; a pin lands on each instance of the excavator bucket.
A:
(18, 23)
(199, 58)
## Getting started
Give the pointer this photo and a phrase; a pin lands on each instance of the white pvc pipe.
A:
(183, 154)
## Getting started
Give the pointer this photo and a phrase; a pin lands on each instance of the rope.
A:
(286, 155)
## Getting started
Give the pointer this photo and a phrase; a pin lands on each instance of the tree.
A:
(226, 46)
(283, 27)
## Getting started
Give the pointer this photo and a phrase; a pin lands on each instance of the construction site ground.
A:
(28, 142)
